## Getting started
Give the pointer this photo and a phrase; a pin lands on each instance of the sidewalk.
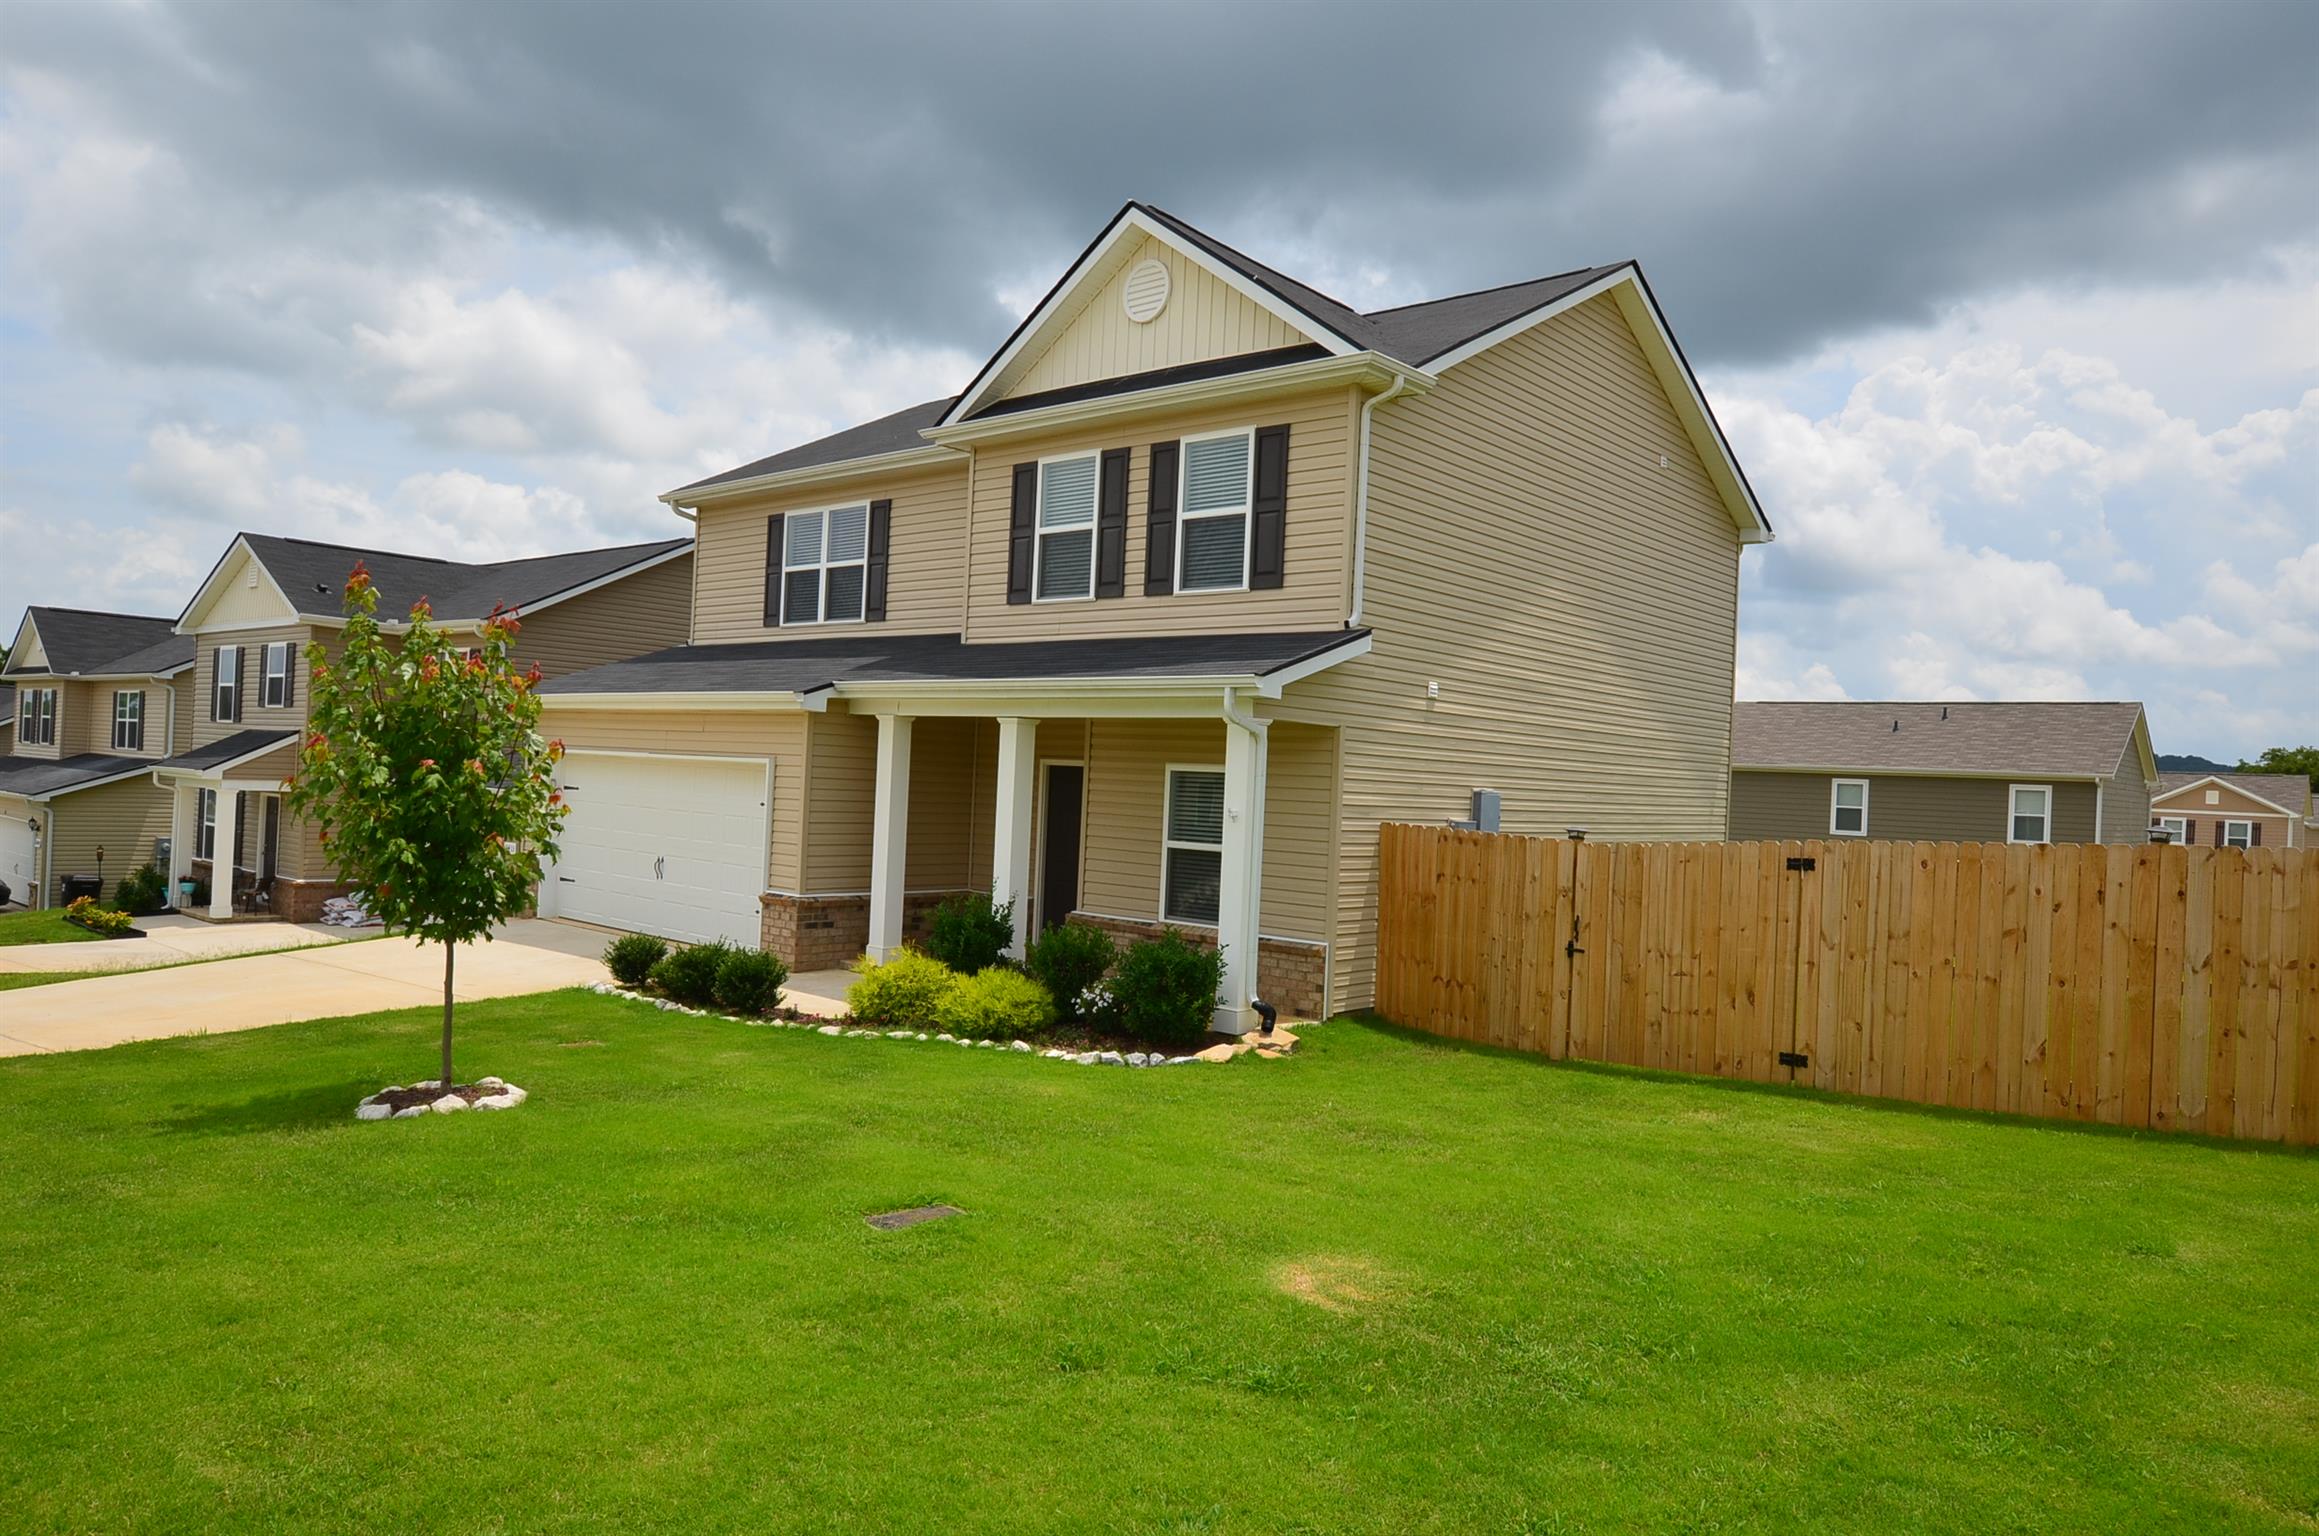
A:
(171, 940)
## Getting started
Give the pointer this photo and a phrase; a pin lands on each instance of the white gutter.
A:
(1361, 503)
(1357, 368)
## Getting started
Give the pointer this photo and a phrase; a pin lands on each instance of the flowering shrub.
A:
(901, 993)
(96, 919)
(996, 1004)
(1069, 960)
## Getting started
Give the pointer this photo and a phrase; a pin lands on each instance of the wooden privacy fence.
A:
(2170, 987)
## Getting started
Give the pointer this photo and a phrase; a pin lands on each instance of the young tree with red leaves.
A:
(424, 768)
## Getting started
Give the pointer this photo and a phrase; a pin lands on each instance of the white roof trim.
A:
(633, 568)
(2224, 783)
(74, 789)
(16, 645)
(218, 770)
(1370, 370)
(1131, 220)
(813, 474)
(736, 700)
(206, 593)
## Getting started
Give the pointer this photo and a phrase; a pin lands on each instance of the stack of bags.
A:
(347, 912)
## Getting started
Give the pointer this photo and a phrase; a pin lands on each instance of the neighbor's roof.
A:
(2291, 790)
(41, 777)
(2072, 740)
(804, 666)
(228, 749)
(83, 642)
(313, 576)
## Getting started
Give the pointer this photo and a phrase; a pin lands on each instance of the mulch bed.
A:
(410, 1098)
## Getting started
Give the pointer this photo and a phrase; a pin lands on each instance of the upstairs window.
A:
(1192, 858)
(36, 717)
(225, 672)
(274, 692)
(823, 559)
(129, 722)
(1219, 490)
(1848, 808)
(2030, 814)
(1066, 558)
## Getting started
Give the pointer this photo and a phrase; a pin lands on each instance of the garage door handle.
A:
(660, 868)
(567, 879)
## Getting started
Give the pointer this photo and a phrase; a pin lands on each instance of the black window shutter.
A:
(138, 745)
(241, 677)
(2255, 833)
(874, 575)
(2189, 832)
(1267, 559)
(1159, 524)
(289, 674)
(773, 526)
(1111, 526)
(1022, 533)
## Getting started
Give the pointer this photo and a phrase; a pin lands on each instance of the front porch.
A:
(227, 795)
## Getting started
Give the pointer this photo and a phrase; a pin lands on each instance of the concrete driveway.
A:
(171, 940)
(320, 982)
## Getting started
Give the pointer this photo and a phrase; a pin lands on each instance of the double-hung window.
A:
(225, 673)
(2176, 828)
(129, 721)
(1218, 491)
(2029, 814)
(274, 691)
(1192, 860)
(205, 826)
(823, 556)
(1848, 808)
(1066, 561)
(2238, 834)
(36, 718)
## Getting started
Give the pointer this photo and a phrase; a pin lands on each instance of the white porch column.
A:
(1236, 903)
(184, 826)
(889, 835)
(221, 863)
(1010, 874)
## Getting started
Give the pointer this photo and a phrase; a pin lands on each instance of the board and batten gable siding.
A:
(923, 579)
(634, 616)
(774, 736)
(1771, 804)
(1317, 543)
(1205, 318)
(1576, 600)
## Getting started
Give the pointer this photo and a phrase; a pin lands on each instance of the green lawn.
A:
(47, 926)
(1558, 1298)
(13, 981)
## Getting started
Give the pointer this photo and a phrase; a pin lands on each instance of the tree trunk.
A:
(449, 954)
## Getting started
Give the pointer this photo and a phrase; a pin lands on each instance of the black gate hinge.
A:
(1794, 1059)
(1807, 863)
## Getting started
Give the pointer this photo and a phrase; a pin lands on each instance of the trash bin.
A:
(75, 887)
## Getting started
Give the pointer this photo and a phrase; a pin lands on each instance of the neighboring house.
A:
(92, 707)
(245, 701)
(7, 719)
(2234, 810)
(1201, 578)
(1949, 773)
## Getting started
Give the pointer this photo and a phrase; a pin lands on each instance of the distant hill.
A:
(2190, 762)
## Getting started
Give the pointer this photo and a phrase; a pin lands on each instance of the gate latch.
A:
(1807, 863)
(1794, 1059)
(1573, 949)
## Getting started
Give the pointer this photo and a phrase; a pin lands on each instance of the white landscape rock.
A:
(1019, 1045)
(1136, 1058)
(900, 1034)
(1087, 1058)
(1111, 1059)
(832, 1029)
(1054, 1055)
(491, 1082)
(415, 1109)
(448, 1104)
(369, 1111)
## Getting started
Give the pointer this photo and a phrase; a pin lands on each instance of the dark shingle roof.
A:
(79, 641)
(2291, 790)
(59, 775)
(1419, 333)
(798, 666)
(313, 575)
(2077, 740)
(872, 439)
(226, 749)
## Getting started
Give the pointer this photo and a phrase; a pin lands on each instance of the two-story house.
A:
(242, 705)
(94, 705)
(1202, 577)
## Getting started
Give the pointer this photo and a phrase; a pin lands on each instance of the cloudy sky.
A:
(2011, 311)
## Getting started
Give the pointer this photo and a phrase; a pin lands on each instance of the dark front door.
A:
(270, 842)
(1059, 843)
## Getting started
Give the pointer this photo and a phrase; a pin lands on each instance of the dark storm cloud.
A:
(1808, 170)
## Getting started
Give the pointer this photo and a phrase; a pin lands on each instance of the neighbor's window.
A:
(275, 692)
(36, 718)
(1192, 876)
(225, 694)
(2031, 818)
(1066, 557)
(1219, 486)
(2176, 828)
(205, 828)
(1848, 810)
(2238, 834)
(823, 555)
(129, 722)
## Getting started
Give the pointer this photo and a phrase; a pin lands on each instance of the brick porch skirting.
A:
(300, 901)
(1291, 974)
(827, 933)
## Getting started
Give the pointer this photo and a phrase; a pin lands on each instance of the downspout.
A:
(47, 852)
(169, 729)
(1261, 730)
(1361, 502)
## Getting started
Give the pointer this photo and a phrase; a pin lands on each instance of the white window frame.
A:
(2012, 798)
(824, 565)
(36, 717)
(1094, 527)
(2245, 826)
(1835, 804)
(205, 825)
(271, 696)
(2176, 828)
(223, 696)
(1184, 516)
(129, 711)
(1169, 844)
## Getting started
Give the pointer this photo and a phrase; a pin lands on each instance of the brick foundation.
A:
(1291, 974)
(827, 933)
(300, 901)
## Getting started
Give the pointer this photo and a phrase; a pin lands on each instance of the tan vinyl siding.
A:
(201, 680)
(2126, 801)
(777, 736)
(1576, 602)
(1319, 502)
(85, 718)
(1204, 318)
(122, 818)
(1901, 808)
(64, 715)
(245, 594)
(922, 575)
(634, 616)
(950, 804)
(2230, 804)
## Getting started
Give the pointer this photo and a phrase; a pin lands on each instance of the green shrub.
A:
(900, 993)
(631, 957)
(689, 975)
(749, 981)
(996, 1004)
(1068, 960)
(1165, 989)
(143, 889)
(97, 919)
(971, 932)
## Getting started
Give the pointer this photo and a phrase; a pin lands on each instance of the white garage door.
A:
(19, 865)
(666, 845)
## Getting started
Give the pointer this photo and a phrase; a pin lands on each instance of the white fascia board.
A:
(1272, 683)
(47, 795)
(666, 702)
(897, 462)
(206, 593)
(635, 568)
(1371, 370)
(2219, 782)
(16, 646)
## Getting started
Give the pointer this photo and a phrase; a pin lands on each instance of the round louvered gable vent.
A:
(1146, 293)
